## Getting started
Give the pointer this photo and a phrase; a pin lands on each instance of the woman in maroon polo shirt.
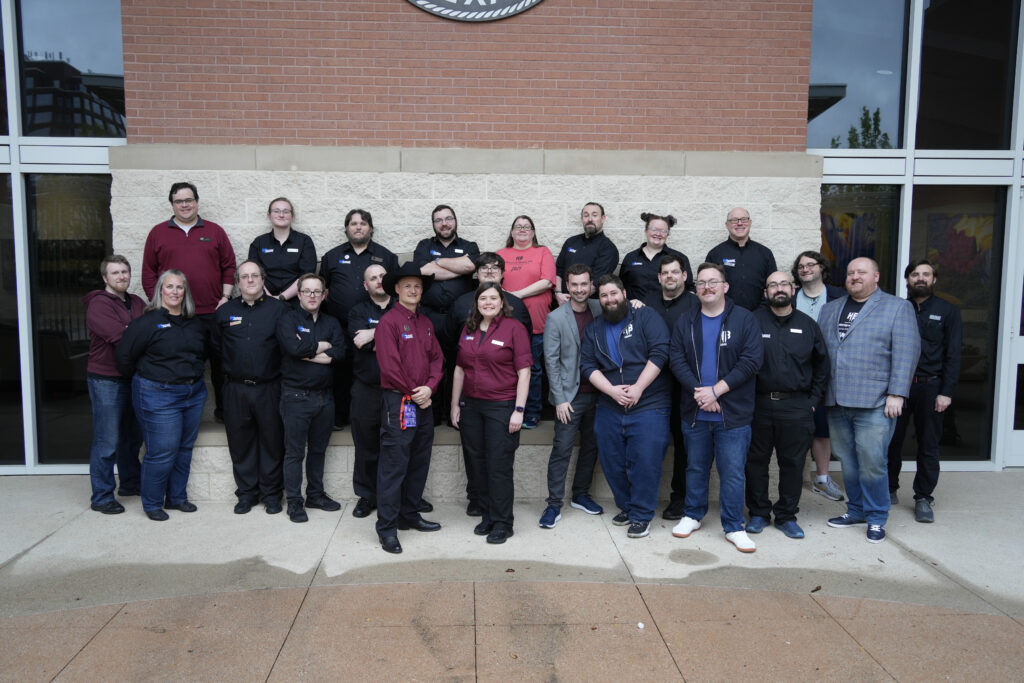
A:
(492, 379)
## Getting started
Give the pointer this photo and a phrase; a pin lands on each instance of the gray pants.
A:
(582, 422)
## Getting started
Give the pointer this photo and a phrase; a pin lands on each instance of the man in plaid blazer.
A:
(873, 346)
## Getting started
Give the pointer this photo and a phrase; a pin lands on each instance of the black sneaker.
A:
(243, 507)
(124, 493)
(296, 512)
(674, 510)
(272, 505)
(323, 502)
(639, 529)
(111, 508)
(621, 519)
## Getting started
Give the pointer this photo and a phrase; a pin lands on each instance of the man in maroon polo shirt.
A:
(410, 362)
(202, 251)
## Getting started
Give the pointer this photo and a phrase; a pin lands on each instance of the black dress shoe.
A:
(157, 515)
(183, 506)
(323, 502)
(674, 510)
(419, 525)
(243, 507)
(474, 509)
(111, 508)
(391, 544)
(363, 508)
(273, 505)
(297, 513)
(425, 506)
(499, 535)
(482, 529)
(125, 493)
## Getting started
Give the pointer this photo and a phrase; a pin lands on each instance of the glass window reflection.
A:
(860, 220)
(858, 59)
(12, 434)
(72, 62)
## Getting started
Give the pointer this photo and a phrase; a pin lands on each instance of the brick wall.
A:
(580, 74)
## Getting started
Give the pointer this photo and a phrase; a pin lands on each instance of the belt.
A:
(779, 395)
(250, 382)
(921, 379)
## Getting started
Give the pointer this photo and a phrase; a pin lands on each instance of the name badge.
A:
(267, 250)
(235, 322)
(497, 342)
(235, 317)
(765, 336)
(934, 317)
(406, 336)
(795, 330)
(205, 239)
(293, 251)
(468, 337)
(378, 259)
(458, 251)
(729, 262)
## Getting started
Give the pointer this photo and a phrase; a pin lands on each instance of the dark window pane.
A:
(69, 234)
(4, 130)
(968, 52)
(1018, 412)
(71, 62)
(858, 55)
(860, 220)
(960, 230)
(12, 434)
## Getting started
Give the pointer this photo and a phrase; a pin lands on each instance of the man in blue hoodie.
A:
(716, 353)
(623, 353)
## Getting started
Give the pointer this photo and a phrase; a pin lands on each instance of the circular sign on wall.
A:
(475, 10)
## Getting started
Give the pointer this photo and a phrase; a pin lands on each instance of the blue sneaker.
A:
(845, 520)
(756, 524)
(876, 533)
(550, 517)
(531, 422)
(586, 503)
(790, 528)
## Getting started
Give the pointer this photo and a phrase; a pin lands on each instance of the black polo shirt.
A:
(366, 316)
(285, 261)
(343, 269)
(598, 252)
(795, 356)
(298, 334)
(747, 268)
(640, 274)
(245, 337)
(941, 330)
(443, 293)
(670, 310)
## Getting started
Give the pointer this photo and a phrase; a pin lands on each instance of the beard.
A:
(920, 289)
(614, 313)
(781, 300)
(360, 241)
(590, 229)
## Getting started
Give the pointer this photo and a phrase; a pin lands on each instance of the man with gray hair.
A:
(747, 263)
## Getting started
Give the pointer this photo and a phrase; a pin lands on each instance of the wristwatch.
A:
(520, 409)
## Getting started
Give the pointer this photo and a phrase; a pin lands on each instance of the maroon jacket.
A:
(205, 255)
(107, 317)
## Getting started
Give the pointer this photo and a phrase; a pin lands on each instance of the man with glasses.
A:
(747, 262)
(810, 272)
(591, 247)
(201, 250)
(311, 341)
(790, 383)
(246, 338)
(716, 353)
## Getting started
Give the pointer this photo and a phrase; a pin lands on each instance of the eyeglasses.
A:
(281, 212)
(657, 231)
(808, 266)
(183, 202)
(779, 285)
(311, 292)
(250, 276)
(446, 219)
(708, 284)
(735, 221)
(492, 268)
(522, 228)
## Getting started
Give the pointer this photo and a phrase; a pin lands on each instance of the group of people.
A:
(733, 363)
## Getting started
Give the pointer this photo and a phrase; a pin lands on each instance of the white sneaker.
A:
(686, 526)
(741, 541)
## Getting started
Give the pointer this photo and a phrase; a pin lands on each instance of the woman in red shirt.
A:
(530, 275)
(492, 377)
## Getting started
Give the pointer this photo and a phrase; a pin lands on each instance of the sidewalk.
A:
(216, 596)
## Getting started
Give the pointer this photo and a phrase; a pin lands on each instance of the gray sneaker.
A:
(923, 511)
(827, 488)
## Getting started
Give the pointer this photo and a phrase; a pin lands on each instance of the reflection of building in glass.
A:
(61, 101)
(822, 97)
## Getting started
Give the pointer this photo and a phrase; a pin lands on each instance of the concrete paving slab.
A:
(38, 647)
(512, 604)
(392, 604)
(230, 636)
(34, 507)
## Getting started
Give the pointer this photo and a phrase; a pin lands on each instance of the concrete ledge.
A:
(430, 160)
(184, 157)
(298, 158)
(614, 162)
(759, 164)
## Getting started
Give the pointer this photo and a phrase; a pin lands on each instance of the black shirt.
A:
(298, 334)
(443, 293)
(456, 318)
(245, 337)
(851, 309)
(344, 269)
(598, 252)
(640, 274)
(670, 310)
(795, 355)
(941, 340)
(163, 348)
(366, 316)
(283, 262)
(747, 268)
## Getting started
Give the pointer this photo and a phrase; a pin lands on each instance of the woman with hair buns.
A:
(284, 253)
(639, 269)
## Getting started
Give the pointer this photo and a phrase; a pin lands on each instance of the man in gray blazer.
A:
(873, 345)
(575, 400)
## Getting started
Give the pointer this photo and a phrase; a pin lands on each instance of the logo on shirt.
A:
(434, 252)
(572, 250)
(723, 337)
(934, 317)
(205, 239)
(729, 262)
(372, 321)
(627, 332)
(406, 336)
(304, 329)
(267, 250)
(234, 320)
(161, 326)
(637, 263)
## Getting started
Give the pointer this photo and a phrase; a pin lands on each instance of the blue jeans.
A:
(707, 441)
(116, 438)
(169, 415)
(631, 447)
(534, 399)
(860, 439)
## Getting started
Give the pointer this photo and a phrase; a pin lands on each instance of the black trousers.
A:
(678, 446)
(216, 367)
(928, 430)
(365, 438)
(403, 465)
(490, 452)
(343, 378)
(252, 420)
(787, 426)
(308, 417)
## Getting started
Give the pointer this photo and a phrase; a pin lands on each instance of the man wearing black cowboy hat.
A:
(411, 365)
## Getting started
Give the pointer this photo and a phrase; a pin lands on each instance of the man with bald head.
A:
(790, 383)
(873, 346)
(747, 263)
